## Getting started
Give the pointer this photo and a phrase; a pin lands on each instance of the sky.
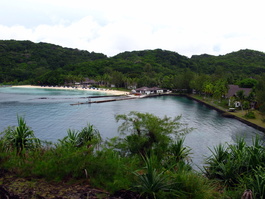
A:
(188, 27)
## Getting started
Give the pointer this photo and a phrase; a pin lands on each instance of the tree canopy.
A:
(25, 62)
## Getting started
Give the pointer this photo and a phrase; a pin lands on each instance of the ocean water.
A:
(49, 113)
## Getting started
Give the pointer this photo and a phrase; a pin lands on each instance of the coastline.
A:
(223, 112)
(107, 91)
(228, 114)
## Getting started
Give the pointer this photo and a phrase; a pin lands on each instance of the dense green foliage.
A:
(145, 159)
(239, 165)
(243, 62)
(25, 62)
(20, 137)
(160, 170)
(43, 63)
(85, 137)
(148, 133)
(104, 165)
(28, 61)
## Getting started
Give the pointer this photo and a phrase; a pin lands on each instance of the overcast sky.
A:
(188, 27)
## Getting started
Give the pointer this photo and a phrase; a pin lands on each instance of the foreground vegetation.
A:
(148, 159)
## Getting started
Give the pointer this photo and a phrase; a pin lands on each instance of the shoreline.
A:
(224, 113)
(116, 92)
(229, 115)
(107, 91)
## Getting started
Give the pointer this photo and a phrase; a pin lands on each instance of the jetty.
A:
(106, 100)
(101, 96)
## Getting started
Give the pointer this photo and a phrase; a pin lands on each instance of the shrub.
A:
(256, 183)
(150, 181)
(149, 133)
(62, 162)
(86, 136)
(108, 170)
(230, 163)
(20, 138)
(250, 115)
(188, 184)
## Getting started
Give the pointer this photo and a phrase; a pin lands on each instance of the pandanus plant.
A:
(229, 163)
(150, 181)
(20, 137)
(85, 137)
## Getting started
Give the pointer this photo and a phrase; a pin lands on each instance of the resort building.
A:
(148, 91)
(232, 94)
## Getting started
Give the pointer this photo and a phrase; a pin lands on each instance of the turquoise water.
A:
(49, 113)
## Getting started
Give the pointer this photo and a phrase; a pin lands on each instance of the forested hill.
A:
(28, 62)
(146, 62)
(243, 61)
(21, 60)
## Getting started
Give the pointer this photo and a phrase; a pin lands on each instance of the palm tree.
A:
(106, 79)
(208, 88)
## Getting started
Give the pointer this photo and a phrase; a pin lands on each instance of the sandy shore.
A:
(107, 91)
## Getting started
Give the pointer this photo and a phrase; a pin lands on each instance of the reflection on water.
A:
(49, 114)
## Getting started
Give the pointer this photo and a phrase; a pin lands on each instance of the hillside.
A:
(243, 61)
(28, 62)
(22, 60)
(158, 61)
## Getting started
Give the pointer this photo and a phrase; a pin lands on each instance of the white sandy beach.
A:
(107, 91)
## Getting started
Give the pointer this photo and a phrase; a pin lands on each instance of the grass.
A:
(258, 120)
(211, 101)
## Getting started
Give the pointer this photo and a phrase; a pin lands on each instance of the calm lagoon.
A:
(49, 113)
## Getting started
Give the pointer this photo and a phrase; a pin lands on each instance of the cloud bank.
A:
(110, 27)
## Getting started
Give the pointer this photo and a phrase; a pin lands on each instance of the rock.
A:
(126, 194)
(228, 115)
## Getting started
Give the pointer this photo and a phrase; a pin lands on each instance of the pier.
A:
(106, 100)
(101, 96)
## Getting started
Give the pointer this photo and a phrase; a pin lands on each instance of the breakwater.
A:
(105, 100)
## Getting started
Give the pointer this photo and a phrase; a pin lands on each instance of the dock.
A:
(103, 101)
(101, 96)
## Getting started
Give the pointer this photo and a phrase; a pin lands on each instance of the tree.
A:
(220, 89)
(148, 132)
(117, 79)
(260, 91)
(208, 88)
(248, 83)
(52, 78)
(106, 79)
(262, 111)
(198, 82)
(167, 82)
